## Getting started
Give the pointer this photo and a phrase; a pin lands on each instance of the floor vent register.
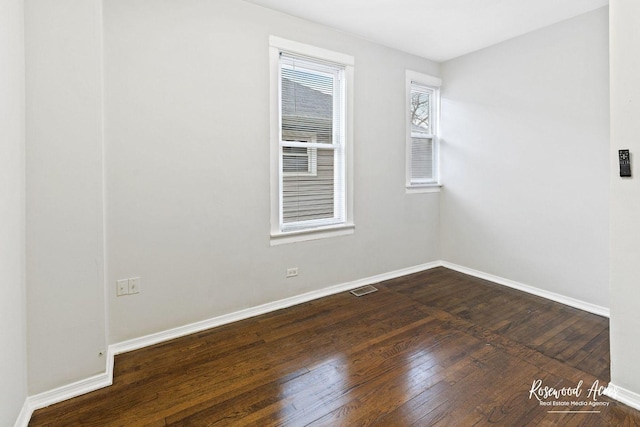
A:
(364, 290)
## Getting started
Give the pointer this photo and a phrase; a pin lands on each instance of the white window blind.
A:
(312, 160)
(422, 108)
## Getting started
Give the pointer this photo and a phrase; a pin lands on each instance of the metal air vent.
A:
(363, 290)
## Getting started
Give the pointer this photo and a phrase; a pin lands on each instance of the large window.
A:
(422, 131)
(310, 141)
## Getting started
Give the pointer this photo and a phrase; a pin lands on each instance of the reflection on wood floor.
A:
(437, 348)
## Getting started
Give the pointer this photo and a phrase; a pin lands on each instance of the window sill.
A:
(426, 188)
(281, 238)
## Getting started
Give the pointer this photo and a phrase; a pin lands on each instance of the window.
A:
(299, 161)
(311, 145)
(423, 97)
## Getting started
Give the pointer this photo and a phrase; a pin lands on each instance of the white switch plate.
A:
(134, 285)
(122, 287)
(292, 272)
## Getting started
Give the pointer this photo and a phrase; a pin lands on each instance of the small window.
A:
(299, 161)
(422, 125)
(423, 165)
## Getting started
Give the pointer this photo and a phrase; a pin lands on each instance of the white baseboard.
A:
(78, 388)
(106, 379)
(25, 415)
(623, 395)
(145, 341)
(572, 302)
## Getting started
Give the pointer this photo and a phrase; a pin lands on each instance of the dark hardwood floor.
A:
(437, 348)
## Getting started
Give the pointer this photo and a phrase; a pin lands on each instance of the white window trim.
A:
(435, 83)
(423, 188)
(277, 236)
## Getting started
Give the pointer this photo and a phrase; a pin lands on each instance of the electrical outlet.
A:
(122, 287)
(134, 285)
(292, 272)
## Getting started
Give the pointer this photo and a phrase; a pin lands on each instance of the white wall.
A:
(13, 366)
(525, 159)
(625, 195)
(64, 209)
(187, 134)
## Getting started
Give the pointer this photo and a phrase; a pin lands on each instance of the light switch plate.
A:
(134, 285)
(122, 287)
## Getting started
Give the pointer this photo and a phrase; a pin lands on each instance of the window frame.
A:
(278, 234)
(432, 83)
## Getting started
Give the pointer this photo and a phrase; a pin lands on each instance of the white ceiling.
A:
(436, 29)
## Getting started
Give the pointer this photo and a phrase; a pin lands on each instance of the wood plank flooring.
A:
(437, 348)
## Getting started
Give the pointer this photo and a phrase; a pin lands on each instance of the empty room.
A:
(336, 213)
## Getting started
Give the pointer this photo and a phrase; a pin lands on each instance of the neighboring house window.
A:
(310, 142)
(299, 161)
(423, 98)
